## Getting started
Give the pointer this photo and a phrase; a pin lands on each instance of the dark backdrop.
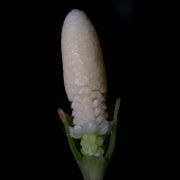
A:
(131, 37)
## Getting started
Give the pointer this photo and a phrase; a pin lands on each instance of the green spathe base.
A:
(92, 167)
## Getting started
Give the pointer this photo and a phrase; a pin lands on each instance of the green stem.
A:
(93, 168)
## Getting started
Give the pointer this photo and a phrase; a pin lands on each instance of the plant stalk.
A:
(93, 168)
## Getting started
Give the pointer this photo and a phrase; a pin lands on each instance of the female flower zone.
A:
(85, 83)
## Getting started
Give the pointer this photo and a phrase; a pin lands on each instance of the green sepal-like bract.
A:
(93, 167)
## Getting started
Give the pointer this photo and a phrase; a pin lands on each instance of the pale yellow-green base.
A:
(92, 145)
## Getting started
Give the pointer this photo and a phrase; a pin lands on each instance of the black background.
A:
(131, 35)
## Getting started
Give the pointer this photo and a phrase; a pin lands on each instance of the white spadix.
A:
(84, 75)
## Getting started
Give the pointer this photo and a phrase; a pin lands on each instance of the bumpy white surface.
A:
(84, 75)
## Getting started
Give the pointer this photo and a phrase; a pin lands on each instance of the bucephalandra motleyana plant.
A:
(86, 87)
